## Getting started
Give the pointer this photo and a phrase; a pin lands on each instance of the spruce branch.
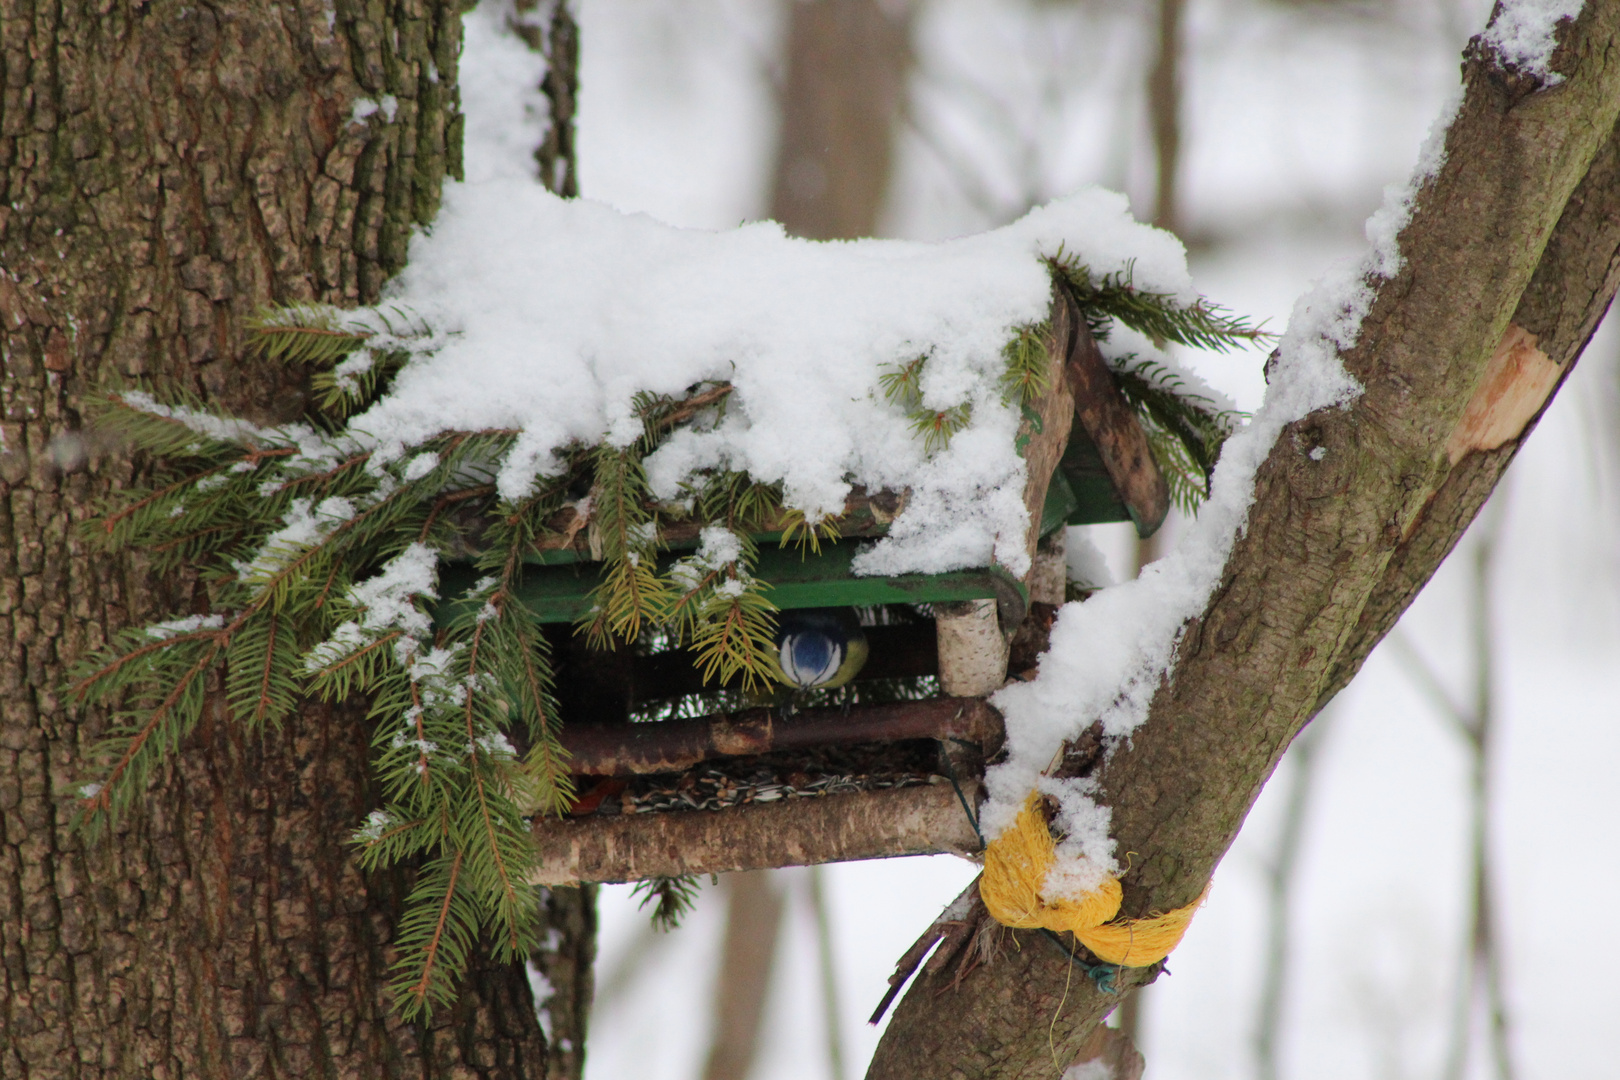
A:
(1159, 316)
(735, 634)
(806, 535)
(1184, 429)
(672, 898)
(163, 728)
(117, 669)
(936, 427)
(262, 680)
(436, 933)
(348, 673)
(902, 383)
(1028, 356)
(386, 839)
(902, 386)
(660, 413)
(720, 609)
(631, 593)
(185, 429)
(518, 656)
(504, 855)
(305, 334)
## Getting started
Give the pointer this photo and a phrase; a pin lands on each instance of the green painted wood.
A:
(1060, 503)
(561, 593)
(1093, 492)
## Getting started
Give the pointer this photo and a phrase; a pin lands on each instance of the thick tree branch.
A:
(1337, 543)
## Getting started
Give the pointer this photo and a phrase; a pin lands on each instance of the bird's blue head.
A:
(817, 648)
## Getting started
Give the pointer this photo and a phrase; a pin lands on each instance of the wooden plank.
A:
(1044, 432)
(676, 745)
(566, 541)
(1112, 427)
(827, 580)
(559, 594)
(923, 820)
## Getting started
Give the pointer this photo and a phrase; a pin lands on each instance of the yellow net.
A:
(1015, 867)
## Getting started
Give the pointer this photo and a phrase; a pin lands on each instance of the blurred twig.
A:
(753, 921)
(1281, 876)
(829, 972)
(1480, 976)
(1164, 112)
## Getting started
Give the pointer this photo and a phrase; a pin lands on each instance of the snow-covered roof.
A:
(551, 315)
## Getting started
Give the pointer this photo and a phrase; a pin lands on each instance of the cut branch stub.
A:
(1108, 420)
(973, 647)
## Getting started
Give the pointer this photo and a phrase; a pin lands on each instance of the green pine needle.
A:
(1159, 316)
(902, 383)
(1028, 356)
(936, 426)
(672, 899)
(305, 334)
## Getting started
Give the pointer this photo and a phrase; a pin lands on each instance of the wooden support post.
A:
(1049, 577)
(972, 648)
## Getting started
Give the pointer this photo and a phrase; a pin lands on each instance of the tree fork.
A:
(1521, 227)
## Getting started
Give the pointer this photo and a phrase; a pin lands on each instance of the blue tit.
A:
(819, 647)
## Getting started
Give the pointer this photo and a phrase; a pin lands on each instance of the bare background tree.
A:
(1479, 1010)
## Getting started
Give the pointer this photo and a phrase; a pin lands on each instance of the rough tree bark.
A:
(165, 169)
(1518, 235)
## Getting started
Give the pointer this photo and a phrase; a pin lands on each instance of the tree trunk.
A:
(846, 75)
(166, 169)
(1516, 242)
(743, 980)
(1164, 115)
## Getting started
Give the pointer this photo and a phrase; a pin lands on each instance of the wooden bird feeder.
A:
(863, 779)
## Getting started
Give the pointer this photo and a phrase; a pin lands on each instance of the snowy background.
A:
(1296, 114)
